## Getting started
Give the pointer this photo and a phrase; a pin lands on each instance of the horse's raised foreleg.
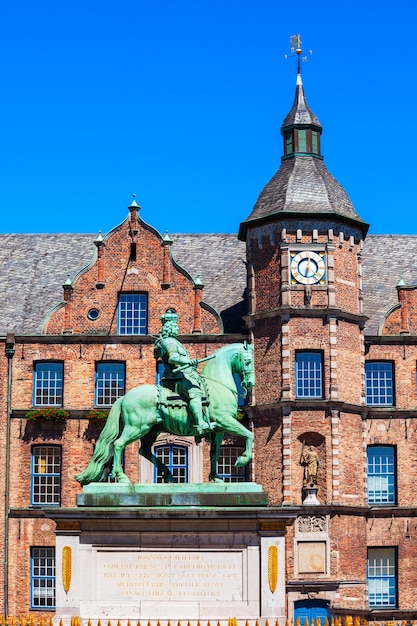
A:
(234, 427)
(215, 443)
(146, 444)
(244, 458)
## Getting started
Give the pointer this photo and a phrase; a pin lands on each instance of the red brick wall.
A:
(267, 350)
(267, 465)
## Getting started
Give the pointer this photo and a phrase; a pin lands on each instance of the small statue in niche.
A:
(309, 459)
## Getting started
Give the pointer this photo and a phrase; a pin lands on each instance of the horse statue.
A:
(147, 411)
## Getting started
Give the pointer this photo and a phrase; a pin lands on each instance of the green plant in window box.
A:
(97, 415)
(56, 415)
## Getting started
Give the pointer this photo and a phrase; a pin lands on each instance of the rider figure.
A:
(183, 380)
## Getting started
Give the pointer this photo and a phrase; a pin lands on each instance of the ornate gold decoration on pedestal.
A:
(272, 567)
(66, 568)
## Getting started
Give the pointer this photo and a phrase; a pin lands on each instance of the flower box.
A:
(50, 414)
(97, 415)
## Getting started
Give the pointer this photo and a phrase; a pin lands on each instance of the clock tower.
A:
(304, 244)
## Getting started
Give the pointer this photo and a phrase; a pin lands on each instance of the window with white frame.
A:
(226, 469)
(175, 457)
(382, 577)
(42, 578)
(109, 383)
(308, 374)
(381, 475)
(379, 380)
(132, 314)
(45, 476)
(48, 378)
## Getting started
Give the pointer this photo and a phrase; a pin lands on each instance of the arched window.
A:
(175, 457)
(226, 465)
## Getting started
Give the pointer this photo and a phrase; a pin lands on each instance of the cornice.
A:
(390, 340)
(123, 339)
(324, 313)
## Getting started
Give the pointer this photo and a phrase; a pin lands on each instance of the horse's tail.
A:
(96, 470)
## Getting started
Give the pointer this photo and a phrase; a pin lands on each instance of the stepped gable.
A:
(33, 268)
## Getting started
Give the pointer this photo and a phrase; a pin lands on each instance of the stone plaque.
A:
(174, 576)
(312, 557)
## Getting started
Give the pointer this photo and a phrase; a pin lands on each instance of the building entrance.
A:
(311, 610)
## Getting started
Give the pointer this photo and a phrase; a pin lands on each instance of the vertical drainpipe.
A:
(10, 350)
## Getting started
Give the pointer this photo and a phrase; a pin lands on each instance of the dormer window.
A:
(289, 142)
(302, 140)
(315, 142)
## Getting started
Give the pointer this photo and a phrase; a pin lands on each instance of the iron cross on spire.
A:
(295, 43)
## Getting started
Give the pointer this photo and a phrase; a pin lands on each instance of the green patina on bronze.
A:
(176, 407)
(200, 495)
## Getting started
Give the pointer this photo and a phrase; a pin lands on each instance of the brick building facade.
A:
(335, 345)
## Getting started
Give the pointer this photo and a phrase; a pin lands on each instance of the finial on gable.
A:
(134, 205)
(99, 240)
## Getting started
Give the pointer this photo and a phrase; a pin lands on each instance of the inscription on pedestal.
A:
(169, 576)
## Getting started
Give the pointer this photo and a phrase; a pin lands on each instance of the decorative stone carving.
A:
(312, 524)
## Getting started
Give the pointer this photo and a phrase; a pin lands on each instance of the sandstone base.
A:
(183, 563)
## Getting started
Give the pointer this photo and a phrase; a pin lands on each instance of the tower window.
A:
(315, 142)
(289, 142)
(302, 140)
(381, 475)
(382, 577)
(308, 374)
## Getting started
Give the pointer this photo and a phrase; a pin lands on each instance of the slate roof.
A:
(303, 185)
(34, 267)
(385, 259)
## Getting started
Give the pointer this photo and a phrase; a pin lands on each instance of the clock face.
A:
(308, 268)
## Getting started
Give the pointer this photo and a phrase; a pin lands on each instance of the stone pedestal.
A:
(188, 561)
(310, 496)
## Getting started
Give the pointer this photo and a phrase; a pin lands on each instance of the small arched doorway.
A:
(311, 610)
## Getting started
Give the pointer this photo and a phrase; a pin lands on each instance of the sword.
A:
(302, 451)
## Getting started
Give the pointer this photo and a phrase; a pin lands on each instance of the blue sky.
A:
(181, 102)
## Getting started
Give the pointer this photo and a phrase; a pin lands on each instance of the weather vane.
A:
(295, 43)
